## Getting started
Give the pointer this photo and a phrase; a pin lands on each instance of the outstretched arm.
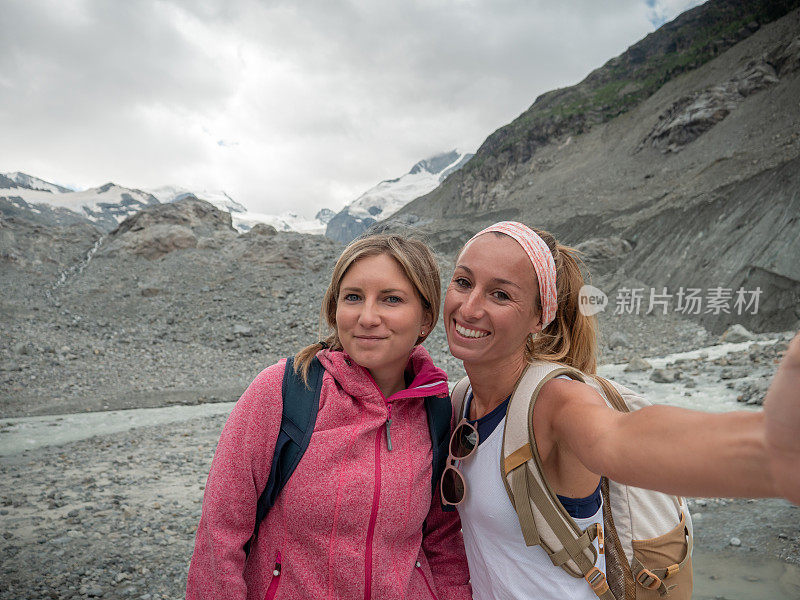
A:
(782, 416)
(673, 450)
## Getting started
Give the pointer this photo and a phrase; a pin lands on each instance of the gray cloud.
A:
(301, 104)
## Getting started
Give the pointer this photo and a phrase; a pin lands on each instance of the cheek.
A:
(414, 319)
(447, 309)
(343, 318)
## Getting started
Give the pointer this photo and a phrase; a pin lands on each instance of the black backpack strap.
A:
(300, 408)
(439, 413)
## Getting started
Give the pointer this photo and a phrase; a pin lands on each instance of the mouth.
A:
(469, 333)
(369, 338)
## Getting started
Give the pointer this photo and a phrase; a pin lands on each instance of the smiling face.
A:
(491, 303)
(379, 316)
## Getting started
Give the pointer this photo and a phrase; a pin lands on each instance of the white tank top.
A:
(501, 566)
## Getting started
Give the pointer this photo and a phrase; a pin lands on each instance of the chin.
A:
(459, 352)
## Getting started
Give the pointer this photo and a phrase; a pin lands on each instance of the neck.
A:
(388, 383)
(492, 383)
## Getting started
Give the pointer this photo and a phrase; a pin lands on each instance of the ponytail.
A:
(302, 360)
(571, 338)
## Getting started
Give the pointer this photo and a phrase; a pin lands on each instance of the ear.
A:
(427, 322)
(537, 326)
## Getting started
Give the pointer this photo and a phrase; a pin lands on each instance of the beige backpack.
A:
(646, 535)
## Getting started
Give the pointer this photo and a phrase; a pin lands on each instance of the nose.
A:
(370, 314)
(472, 307)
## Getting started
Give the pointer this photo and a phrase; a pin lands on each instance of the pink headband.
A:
(542, 260)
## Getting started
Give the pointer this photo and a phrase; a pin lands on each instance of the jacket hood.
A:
(428, 379)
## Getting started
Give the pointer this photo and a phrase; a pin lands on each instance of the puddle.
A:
(725, 577)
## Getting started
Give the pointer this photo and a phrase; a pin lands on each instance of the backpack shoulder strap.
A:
(458, 398)
(300, 408)
(438, 411)
(612, 395)
(543, 519)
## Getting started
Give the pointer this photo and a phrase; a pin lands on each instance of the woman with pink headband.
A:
(513, 299)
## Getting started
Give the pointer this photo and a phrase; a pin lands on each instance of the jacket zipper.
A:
(276, 579)
(418, 566)
(376, 494)
(388, 425)
(388, 404)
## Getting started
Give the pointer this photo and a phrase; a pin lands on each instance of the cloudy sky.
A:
(284, 105)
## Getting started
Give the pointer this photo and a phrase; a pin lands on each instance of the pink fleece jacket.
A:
(355, 519)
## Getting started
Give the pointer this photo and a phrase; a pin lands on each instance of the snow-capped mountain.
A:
(23, 180)
(105, 206)
(391, 195)
(172, 193)
(242, 219)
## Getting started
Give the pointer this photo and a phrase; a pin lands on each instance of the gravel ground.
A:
(115, 516)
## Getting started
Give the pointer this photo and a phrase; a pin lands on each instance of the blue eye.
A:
(393, 299)
(351, 298)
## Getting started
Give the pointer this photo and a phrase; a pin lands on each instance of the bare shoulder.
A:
(565, 404)
(558, 393)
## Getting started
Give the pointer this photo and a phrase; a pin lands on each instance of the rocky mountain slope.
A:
(173, 303)
(177, 306)
(390, 195)
(685, 148)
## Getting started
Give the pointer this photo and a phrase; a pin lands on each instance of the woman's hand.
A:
(782, 416)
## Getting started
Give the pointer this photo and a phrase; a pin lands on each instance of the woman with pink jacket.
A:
(357, 518)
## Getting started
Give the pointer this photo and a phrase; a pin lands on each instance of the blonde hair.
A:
(416, 260)
(572, 336)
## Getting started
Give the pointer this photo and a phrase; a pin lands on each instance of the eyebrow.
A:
(499, 280)
(385, 291)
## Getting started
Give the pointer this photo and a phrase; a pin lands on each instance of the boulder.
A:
(753, 392)
(262, 229)
(242, 330)
(618, 340)
(663, 376)
(736, 334)
(638, 364)
(164, 228)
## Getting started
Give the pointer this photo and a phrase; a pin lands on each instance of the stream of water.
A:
(28, 433)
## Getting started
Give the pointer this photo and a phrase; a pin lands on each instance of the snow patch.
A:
(173, 193)
(34, 183)
(391, 195)
(285, 222)
(86, 202)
